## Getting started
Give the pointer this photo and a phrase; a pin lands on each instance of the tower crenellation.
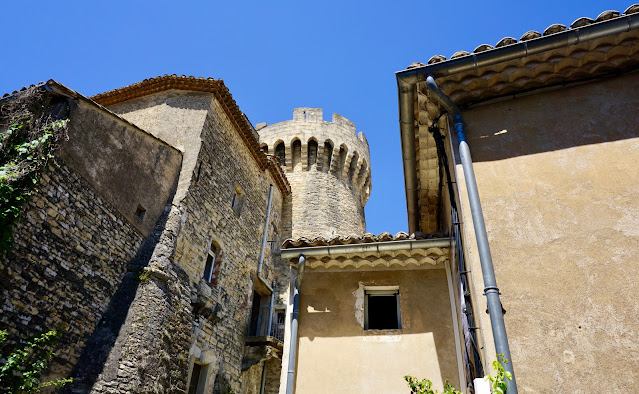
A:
(328, 166)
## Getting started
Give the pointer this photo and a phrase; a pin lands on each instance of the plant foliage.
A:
(21, 370)
(29, 132)
(424, 386)
(498, 381)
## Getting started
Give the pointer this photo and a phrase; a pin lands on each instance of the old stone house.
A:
(144, 243)
(180, 249)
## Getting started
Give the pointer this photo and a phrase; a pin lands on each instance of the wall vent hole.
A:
(140, 212)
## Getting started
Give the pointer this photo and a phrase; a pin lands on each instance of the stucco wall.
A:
(556, 173)
(176, 117)
(336, 354)
(125, 165)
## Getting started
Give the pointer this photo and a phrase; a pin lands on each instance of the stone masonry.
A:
(328, 166)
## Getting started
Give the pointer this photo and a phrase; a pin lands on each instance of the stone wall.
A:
(224, 167)
(328, 166)
(71, 251)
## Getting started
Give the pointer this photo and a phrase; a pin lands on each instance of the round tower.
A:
(328, 167)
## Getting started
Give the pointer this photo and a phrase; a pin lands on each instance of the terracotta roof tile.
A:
(552, 29)
(606, 15)
(303, 242)
(530, 35)
(482, 48)
(205, 85)
(459, 54)
(583, 21)
(556, 28)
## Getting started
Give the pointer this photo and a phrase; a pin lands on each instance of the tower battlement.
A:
(323, 161)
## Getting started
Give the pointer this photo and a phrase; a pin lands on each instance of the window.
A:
(213, 265)
(197, 383)
(280, 154)
(238, 199)
(381, 308)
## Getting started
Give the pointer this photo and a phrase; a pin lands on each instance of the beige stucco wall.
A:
(557, 173)
(336, 354)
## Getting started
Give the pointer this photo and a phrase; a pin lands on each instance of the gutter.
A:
(408, 79)
(292, 352)
(372, 247)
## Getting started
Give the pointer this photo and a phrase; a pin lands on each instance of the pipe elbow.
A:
(443, 99)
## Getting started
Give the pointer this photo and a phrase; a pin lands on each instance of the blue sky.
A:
(273, 55)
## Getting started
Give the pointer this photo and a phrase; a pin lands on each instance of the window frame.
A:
(381, 291)
(213, 264)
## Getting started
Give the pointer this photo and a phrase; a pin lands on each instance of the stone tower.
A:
(328, 166)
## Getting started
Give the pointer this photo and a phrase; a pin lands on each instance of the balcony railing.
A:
(261, 328)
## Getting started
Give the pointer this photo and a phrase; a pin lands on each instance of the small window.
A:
(382, 308)
(213, 265)
(140, 212)
(197, 383)
(238, 199)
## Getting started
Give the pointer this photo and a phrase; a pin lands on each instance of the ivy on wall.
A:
(31, 124)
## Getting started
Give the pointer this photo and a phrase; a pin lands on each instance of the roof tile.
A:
(302, 242)
(529, 35)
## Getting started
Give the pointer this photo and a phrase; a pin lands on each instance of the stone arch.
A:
(296, 153)
(342, 155)
(352, 166)
(280, 153)
(264, 148)
(328, 154)
(312, 152)
(361, 174)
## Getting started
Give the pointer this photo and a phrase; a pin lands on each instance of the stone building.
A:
(179, 249)
(153, 242)
(328, 165)
(144, 244)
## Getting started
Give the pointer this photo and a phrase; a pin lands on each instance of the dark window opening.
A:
(312, 153)
(280, 154)
(140, 212)
(195, 378)
(341, 161)
(382, 310)
(238, 199)
(254, 324)
(297, 153)
(328, 152)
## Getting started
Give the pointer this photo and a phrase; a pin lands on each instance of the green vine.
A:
(29, 131)
(498, 381)
(21, 370)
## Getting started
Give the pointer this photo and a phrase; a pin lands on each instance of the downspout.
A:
(268, 216)
(491, 290)
(292, 352)
(268, 333)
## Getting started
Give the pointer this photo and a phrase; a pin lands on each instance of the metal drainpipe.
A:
(268, 333)
(292, 349)
(491, 290)
(268, 216)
